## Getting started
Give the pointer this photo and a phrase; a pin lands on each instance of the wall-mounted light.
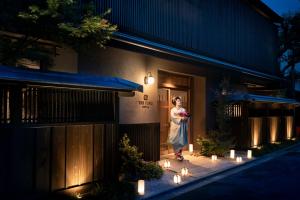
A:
(149, 79)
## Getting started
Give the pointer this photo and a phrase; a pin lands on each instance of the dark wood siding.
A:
(145, 137)
(52, 158)
(230, 30)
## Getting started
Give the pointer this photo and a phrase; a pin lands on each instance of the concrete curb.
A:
(214, 176)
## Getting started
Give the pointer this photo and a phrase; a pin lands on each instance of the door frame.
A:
(179, 88)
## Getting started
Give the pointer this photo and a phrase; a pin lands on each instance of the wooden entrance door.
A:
(165, 96)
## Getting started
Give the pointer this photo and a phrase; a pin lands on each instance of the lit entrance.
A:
(171, 85)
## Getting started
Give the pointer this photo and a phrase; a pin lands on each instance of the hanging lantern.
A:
(177, 179)
(141, 187)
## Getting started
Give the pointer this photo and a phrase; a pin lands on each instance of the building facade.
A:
(188, 47)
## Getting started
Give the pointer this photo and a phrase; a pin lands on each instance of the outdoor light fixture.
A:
(191, 148)
(249, 154)
(78, 196)
(184, 171)
(214, 157)
(239, 159)
(141, 187)
(167, 164)
(149, 79)
(232, 152)
(177, 179)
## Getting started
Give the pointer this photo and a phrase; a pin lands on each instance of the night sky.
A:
(283, 6)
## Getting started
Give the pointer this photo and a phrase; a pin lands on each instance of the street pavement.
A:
(277, 179)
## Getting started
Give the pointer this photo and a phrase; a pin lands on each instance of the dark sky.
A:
(283, 6)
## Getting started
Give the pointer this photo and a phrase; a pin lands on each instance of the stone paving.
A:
(198, 166)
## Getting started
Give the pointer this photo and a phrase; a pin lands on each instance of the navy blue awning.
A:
(62, 79)
(297, 85)
(261, 98)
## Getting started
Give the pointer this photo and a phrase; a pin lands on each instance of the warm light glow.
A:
(149, 79)
(249, 154)
(177, 179)
(289, 127)
(167, 164)
(239, 159)
(255, 125)
(232, 153)
(141, 187)
(184, 171)
(214, 157)
(273, 129)
(191, 148)
(78, 196)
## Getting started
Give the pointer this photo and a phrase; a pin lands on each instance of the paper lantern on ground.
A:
(214, 157)
(177, 179)
(191, 148)
(249, 154)
(167, 164)
(184, 171)
(239, 159)
(232, 153)
(141, 187)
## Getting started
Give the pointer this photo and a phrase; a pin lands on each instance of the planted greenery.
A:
(32, 29)
(133, 167)
(219, 140)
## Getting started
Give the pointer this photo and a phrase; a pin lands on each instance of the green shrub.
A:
(216, 143)
(133, 167)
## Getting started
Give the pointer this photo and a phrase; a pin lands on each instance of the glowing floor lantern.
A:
(232, 153)
(239, 159)
(249, 154)
(167, 164)
(184, 171)
(191, 148)
(177, 179)
(214, 157)
(141, 187)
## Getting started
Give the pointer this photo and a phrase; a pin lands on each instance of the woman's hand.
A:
(183, 118)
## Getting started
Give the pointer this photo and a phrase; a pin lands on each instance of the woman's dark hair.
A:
(175, 99)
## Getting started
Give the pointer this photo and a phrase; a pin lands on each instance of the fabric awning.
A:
(62, 79)
(261, 98)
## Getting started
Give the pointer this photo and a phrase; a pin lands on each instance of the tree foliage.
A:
(290, 41)
(290, 48)
(64, 22)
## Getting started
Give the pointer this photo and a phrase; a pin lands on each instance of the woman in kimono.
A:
(178, 127)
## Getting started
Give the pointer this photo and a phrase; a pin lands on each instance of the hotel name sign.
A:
(145, 103)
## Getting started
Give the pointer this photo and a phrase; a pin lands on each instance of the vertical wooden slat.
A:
(58, 158)
(98, 151)
(43, 159)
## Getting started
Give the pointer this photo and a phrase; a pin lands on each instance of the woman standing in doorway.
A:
(178, 127)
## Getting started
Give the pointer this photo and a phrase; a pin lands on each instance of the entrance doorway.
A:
(171, 85)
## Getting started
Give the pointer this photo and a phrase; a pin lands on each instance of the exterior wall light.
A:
(149, 79)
